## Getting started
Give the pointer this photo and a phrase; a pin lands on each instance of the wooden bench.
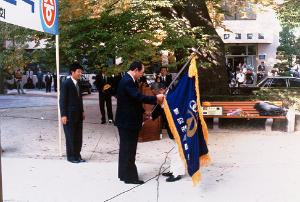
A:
(247, 111)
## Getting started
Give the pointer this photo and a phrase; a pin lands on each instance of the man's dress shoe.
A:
(134, 182)
(173, 179)
(81, 160)
(103, 122)
(74, 160)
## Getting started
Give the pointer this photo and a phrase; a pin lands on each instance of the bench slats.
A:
(247, 108)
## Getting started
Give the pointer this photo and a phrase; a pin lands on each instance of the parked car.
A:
(83, 83)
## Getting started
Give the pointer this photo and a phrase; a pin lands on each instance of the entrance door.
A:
(234, 61)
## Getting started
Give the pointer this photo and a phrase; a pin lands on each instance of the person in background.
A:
(54, 81)
(40, 77)
(104, 86)
(261, 71)
(129, 119)
(19, 83)
(48, 81)
(164, 77)
(240, 77)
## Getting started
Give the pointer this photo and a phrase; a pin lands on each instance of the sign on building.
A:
(40, 15)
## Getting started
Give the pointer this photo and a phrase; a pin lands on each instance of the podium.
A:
(151, 130)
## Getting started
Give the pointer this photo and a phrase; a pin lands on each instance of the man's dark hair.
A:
(75, 66)
(136, 64)
(163, 67)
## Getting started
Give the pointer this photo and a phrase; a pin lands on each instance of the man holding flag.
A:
(185, 118)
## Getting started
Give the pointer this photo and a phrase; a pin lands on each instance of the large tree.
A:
(289, 46)
(140, 28)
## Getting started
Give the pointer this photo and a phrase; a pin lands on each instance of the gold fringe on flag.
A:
(205, 160)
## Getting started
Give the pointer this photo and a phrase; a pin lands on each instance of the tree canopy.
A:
(131, 29)
(289, 13)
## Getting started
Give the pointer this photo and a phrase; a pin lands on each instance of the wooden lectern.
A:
(151, 130)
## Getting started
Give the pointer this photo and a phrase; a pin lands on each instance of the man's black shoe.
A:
(134, 182)
(173, 179)
(73, 161)
(167, 174)
(81, 160)
(103, 122)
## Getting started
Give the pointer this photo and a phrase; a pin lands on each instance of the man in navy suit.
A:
(129, 118)
(72, 114)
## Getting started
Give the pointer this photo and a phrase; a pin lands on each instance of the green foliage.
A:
(15, 56)
(289, 49)
(289, 13)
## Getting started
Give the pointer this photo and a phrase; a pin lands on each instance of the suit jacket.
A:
(70, 102)
(130, 110)
(167, 81)
(100, 82)
(48, 79)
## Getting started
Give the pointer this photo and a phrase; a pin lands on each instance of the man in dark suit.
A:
(104, 86)
(129, 118)
(48, 81)
(72, 114)
(164, 77)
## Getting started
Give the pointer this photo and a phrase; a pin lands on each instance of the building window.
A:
(251, 50)
(243, 11)
(261, 36)
(238, 36)
(241, 50)
(249, 36)
(236, 50)
(226, 36)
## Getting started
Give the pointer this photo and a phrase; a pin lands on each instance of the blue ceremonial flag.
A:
(185, 118)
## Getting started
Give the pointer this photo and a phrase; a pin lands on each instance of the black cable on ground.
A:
(156, 176)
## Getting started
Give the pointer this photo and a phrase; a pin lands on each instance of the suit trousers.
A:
(127, 169)
(177, 167)
(105, 99)
(73, 134)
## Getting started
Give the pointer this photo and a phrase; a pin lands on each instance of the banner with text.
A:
(40, 15)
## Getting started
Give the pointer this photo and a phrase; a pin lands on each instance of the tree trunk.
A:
(213, 79)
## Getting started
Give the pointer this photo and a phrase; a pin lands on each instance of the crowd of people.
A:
(26, 80)
(245, 74)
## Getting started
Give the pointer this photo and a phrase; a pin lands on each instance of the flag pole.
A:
(58, 95)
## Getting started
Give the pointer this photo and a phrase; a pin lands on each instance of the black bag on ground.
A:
(268, 109)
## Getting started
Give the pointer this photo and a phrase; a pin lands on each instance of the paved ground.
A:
(248, 163)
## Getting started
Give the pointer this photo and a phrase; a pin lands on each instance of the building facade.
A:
(251, 36)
